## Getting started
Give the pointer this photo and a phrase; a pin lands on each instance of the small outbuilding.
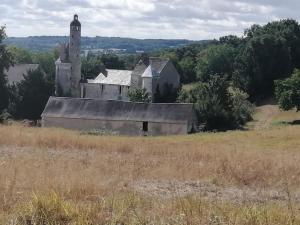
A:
(123, 118)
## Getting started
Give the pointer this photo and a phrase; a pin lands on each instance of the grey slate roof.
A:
(82, 108)
(114, 77)
(15, 73)
(158, 64)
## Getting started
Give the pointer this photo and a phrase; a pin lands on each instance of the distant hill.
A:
(130, 45)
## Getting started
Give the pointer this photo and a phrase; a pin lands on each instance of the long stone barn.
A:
(123, 118)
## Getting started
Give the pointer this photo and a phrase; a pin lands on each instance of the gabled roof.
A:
(148, 72)
(15, 73)
(113, 77)
(96, 109)
(156, 64)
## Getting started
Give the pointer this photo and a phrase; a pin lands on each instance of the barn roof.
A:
(114, 77)
(15, 73)
(81, 108)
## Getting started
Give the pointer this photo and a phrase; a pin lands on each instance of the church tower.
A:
(74, 56)
(68, 66)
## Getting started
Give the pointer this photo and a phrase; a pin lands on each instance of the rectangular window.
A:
(120, 90)
(145, 126)
(102, 88)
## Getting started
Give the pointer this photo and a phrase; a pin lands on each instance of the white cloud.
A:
(192, 19)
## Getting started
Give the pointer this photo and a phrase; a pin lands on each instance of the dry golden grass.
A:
(99, 176)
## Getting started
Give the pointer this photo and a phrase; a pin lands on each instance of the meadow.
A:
(56, 176)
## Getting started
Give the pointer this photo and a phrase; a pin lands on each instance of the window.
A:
(102, 89)
(120, 90)
(145, 126)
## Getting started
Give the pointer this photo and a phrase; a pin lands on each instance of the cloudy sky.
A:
(188, 19)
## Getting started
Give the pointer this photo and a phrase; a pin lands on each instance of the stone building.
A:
(68, 66)
(114, 84)
(152, 74)
(102, 103)
(123, 118)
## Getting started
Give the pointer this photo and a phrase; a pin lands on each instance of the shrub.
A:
(139, 95)
(218, 105)
(288, 92)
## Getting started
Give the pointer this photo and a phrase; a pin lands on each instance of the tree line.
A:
(252, 66)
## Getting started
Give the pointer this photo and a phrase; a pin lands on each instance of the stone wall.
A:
(129, 128)
(169, 75)
(105, 92)
(62, 78)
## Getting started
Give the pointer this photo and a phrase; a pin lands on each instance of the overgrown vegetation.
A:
(139, 95)
(288, 92)
(29, 97)
(252, 62)
(218, 105)
(5, 62)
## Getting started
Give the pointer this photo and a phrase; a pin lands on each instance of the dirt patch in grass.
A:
(209, 191)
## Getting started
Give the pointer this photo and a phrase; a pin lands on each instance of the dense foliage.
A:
(5, 62)
(251, 63)
(139, 95)
(93, 65)
(288, 92)
(218, 105)
(29, 97)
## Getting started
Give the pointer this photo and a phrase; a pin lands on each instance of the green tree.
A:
(218, 105)
(139, 95)
(91, 67)
(31, 95)
(46, 61)
(287, 92)
(5, 62)
(20, 55)
(112, 61)
(263, 59)
(216, 59)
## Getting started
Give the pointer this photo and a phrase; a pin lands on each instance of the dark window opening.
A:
(120, 90)
(145, 126)
(102, 88)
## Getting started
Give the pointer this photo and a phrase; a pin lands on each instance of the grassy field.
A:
(56, 176)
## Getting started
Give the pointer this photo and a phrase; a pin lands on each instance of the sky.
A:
(166, 19)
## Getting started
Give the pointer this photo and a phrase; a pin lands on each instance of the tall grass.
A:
(94, 177)
(132, 209)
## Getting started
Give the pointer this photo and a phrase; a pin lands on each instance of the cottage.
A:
(124, 118)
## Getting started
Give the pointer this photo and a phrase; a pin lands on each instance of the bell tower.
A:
(74, 56)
